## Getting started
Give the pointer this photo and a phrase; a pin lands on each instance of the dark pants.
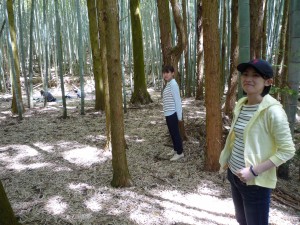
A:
(251, 202)
(172, 123)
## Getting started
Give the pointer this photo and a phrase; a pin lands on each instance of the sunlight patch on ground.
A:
(192, 207)
(44, 146)
(20, 157)
(100, 199)
(85, 156)
(56, 205)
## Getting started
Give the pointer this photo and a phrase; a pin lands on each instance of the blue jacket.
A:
(266, 136)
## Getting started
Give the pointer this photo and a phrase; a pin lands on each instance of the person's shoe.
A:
(176, 157)
(172, 153)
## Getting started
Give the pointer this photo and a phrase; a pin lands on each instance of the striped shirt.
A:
(237, 160)
(172, 100)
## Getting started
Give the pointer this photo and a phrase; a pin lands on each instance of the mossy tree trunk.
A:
(140, 94)
(121, 176)
(97, 66)
(14, 42)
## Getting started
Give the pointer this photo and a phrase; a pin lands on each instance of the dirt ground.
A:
(55, 171)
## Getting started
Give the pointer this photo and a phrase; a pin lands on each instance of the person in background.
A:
(49, 97)
(259, 140)
(172, 111)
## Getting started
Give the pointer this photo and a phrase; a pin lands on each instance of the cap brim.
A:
(243, 66)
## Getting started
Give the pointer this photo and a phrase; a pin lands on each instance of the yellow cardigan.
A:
(266, 136)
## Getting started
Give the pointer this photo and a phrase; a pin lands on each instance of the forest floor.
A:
(55, 170)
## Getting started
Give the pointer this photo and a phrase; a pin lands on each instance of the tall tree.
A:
(22, 51)
(80, 53)
(140, 94)
(293, 79)
(212, 85)
(104, 72)
(14, 42)
(31, 55)
(200, 54)
(121, 176)
(293, 62)
(234, 57)
(95, 45)
(60, 57)
(171, 54)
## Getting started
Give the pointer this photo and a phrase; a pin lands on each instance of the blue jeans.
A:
(172, 123)
(251, 202)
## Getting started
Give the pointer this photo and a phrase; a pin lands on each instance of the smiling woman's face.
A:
(252, 82)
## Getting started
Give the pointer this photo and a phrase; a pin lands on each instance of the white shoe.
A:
(176, 157)
(173, 152)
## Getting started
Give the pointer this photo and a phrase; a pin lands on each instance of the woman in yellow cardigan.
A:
(259, 140)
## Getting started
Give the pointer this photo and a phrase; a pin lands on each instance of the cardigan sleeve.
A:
(280, 130)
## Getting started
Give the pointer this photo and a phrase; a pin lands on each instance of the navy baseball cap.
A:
(261, 66)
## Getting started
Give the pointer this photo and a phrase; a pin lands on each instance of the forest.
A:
(83, 136)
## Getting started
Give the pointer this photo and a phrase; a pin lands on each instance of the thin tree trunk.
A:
(80, 53)
(60, 59)
(121, 176)
(234, 57)
(95, 45)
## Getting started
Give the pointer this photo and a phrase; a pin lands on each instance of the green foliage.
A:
(285, 91)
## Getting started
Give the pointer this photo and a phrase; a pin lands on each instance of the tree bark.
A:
(212, 85)
(121, 176)
(98, 76)
(256, 27)
(14, 42)
(140, 94)
(234, 58)
(103, 62)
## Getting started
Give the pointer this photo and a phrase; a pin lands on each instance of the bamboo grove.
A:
(123, 45)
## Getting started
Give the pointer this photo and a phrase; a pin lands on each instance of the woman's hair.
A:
(266, 89)
(168, 69)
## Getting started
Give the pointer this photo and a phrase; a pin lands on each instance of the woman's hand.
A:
(245, 174)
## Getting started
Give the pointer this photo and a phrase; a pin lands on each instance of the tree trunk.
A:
(234, 57)
(60, 58)
(7, 216)
(256, 27)
(290, 105)
(98, 76)
(200, 54)
(165, 30)
(104, 73)
(140, 94)
(121, 176)
(244, 38)
(212, 85)
(14, 42)
(281, 53)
